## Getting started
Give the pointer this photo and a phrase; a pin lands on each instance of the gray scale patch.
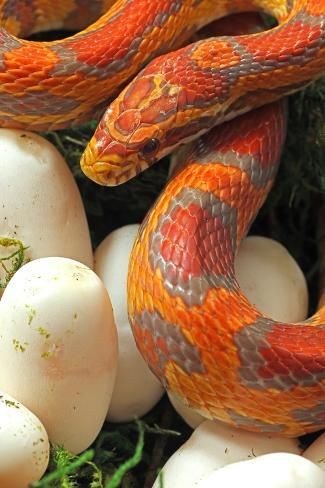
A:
(175, 7)
(40, 103)
(69, 64)
(193, 290)
(249, 340)
(258, 174)
(160, 19)
(311, 415)
(7, 43)
(242, 421)
(180, 350)
(241, 105)
(248, 66)
(308, 19)
(229, 73)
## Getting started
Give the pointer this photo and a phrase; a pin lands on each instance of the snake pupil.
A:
(150, 147)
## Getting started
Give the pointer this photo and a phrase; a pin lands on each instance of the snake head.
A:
(129, 137)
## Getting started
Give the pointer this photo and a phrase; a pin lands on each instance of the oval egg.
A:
(136, 389)
(276, 470)
(213, 445)
(271, 279)
(24, 445)
(58, 348)
(40, 201)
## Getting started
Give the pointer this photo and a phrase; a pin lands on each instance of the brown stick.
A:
(159, 447)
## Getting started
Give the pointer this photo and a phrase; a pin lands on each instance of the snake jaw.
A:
(111, 164)
(103, 172)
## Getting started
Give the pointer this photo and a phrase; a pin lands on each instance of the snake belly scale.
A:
(193, 325)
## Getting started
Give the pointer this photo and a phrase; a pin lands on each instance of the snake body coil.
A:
(193, 325)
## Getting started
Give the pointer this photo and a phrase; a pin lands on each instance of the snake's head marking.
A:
(129, 137)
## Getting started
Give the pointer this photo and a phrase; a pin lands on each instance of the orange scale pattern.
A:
(267, 378)
(196, 329)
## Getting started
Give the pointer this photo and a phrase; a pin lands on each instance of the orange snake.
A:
(192, 323)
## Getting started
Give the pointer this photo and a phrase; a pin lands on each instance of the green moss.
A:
(10, 263)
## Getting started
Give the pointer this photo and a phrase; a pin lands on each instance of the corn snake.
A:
(239, 367)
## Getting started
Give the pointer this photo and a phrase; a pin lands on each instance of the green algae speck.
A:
(31, 313)
(47, 354)
(11, 403)
(18, 346)
(43, 332)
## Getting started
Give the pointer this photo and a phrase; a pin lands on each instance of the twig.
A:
(159, 447)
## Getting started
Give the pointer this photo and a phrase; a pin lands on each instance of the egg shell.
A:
(136, 389)
(58, 348)
(40, 201)
(316, 452)
(214, 445)
(279, 470)
(24, 445)
(271, 279)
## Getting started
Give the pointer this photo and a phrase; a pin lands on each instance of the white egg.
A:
(272, 279)
(136, 389)
(24, 445)
(58, 348)
(280, 470)
(40, 201)
(316, 452)
(214, 445)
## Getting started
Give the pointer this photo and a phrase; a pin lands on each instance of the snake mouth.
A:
(109, 172)
(113, 166)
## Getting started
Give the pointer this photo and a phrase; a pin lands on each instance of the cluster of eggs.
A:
(68, 360)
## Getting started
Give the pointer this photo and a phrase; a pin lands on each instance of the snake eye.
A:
(151, 147)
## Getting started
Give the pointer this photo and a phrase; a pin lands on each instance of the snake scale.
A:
(192, 323)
